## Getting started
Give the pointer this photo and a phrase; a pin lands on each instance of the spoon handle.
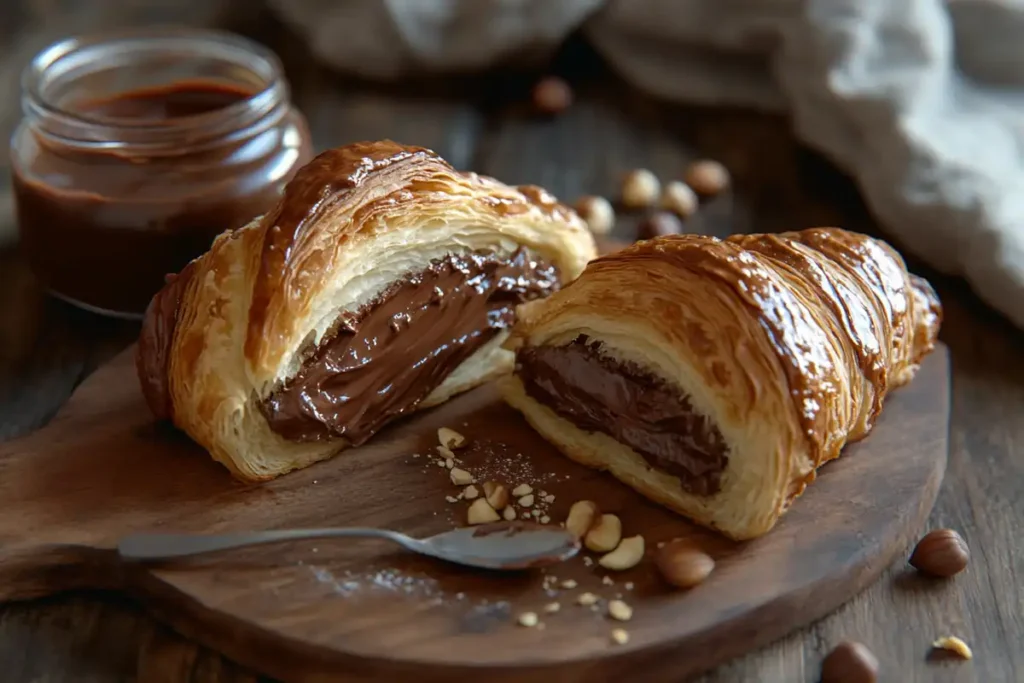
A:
(170, 546)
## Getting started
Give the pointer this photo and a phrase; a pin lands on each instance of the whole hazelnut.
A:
(684, 565)
(849, 662)
(707, 177)
(640, 189)
(597, 212)
(659, 224)
(679, 198)
(942, 552)
(552, 95)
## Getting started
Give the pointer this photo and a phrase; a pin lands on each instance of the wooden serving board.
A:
(359, 611)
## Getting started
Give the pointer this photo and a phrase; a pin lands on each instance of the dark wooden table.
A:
(47, 348)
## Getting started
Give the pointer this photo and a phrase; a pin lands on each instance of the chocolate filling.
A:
(382, 360)
(600, 394)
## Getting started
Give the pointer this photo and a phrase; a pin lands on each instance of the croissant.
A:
(383, 282)
(715, 376)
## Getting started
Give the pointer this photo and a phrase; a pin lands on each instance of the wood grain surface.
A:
(103, 469)
(47, 348)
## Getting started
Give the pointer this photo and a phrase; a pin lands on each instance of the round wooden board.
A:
(362, 611)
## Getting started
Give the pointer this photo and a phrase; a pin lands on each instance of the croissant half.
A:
(382, 282)
(716, 376)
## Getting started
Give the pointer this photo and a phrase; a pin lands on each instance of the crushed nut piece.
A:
(449, 463)
(582, 516)
(522, 490)
(444, 452)
(569, 584)
(545, 519)
(528, 619)
(451, 499)
(620, 610)
(626, 556)
(509, 514)
(481, 513)
(527, 500)
(461, 477)
(587, 599)
(954, 645)
(497, 495)
(607, 580)
(588, 561)
(536, 513)
(449, 438)
(470, 492)
(549, 498)
(605, 535)
(552, 607)
(440, 463)
(620, 636)
(629, 585)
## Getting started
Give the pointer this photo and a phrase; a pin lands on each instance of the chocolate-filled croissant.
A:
(716, 376)
(383, 282)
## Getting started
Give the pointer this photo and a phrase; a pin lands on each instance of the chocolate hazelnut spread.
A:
(601, 394)
(381, 361)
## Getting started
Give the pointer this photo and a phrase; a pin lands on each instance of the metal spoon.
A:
(503, 545)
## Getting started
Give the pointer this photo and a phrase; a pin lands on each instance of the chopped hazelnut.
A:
(460, 477)
(451, 439)
(604, 536)
(586, 599)
(527, 500)
(620, 636)
(617, 609)
(552, 607)
(509, 514)
(626, 556)
(528, 619)
(481, 513)
(679, 198)
(470, 492)
(522, 490)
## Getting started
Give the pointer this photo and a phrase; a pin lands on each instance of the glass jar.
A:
(137, 148)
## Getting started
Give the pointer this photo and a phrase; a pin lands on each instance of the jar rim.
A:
(62, 58)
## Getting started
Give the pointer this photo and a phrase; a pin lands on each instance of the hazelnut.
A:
(552, 607)
(527, 500)
(582, 516)
(522, 490)
(707, 177)
(942, 552)
(679, 198)
(528, 619)
(619, 610)
(640, 189)
(954, 645)
(597, 212)
(496, 494)
(659, 224)
(683, 565)
(569, 584)
(445, 452)
(509, 514)
(604, 536)
(552, 95)
(587, 599)
(451, 439)
(849, 662)
(626, 556)
(481, 513)
(460, 477)
(620, 636)
(471, 492)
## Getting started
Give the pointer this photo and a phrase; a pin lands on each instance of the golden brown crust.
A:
(352, 221)
(791, 342)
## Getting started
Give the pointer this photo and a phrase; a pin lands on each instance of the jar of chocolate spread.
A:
(138, 148)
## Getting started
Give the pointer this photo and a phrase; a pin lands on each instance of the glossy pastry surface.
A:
(382, 282)
(716, 376)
